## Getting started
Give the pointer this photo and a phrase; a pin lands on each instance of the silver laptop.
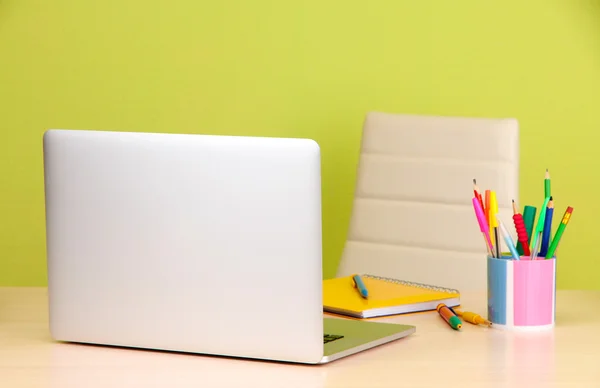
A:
(192, 243)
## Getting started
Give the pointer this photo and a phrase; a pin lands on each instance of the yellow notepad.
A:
(386, 297)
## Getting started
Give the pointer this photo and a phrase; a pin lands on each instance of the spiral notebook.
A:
(387, 296)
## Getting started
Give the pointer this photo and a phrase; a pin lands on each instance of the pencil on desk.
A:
(473, 318)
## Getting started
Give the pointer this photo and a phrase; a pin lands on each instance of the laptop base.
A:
(357, 336)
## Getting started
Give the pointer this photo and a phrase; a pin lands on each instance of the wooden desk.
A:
(435, 356)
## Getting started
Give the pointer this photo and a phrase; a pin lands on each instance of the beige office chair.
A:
(412, 216)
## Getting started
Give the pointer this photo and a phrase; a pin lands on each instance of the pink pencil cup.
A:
(521, 293)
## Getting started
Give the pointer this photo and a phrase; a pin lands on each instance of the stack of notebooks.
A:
(386, 297)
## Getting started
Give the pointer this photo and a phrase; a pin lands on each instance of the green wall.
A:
(304, 69)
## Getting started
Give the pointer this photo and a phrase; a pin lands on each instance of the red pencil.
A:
(521, 230)
(477, 194)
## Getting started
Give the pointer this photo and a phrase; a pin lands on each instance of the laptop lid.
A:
(192, 243)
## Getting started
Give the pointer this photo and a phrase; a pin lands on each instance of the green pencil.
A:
(559, 232)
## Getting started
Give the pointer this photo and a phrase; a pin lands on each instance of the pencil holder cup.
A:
(521, 293)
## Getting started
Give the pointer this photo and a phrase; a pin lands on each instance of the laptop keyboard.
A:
(331, 337)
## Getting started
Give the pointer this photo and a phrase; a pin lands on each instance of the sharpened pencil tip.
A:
(474, 181)
(513, 201)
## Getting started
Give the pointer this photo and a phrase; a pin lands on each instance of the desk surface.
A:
(568, 356)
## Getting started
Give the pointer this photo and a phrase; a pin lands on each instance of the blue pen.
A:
(508, 241)
(547, 228)
(360, 286)
(539, 229)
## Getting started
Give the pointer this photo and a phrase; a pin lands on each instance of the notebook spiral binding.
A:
(414, 284)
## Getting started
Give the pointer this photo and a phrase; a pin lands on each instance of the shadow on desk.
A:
(75, 364)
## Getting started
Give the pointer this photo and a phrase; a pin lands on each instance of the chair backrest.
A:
(412, 215)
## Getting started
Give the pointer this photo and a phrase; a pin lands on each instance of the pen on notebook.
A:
(508, 240)
(539, 229)
(360, 286)
(523, 244)
(547, 228)
(483, 226)
(559, 232)
(448, 315)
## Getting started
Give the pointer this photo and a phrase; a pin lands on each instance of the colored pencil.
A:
(493, 222)
(477, 194)
(483, 226)
(559, 232)
(539, 229)
(523, 244)
(508, 241)
(547, 228)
